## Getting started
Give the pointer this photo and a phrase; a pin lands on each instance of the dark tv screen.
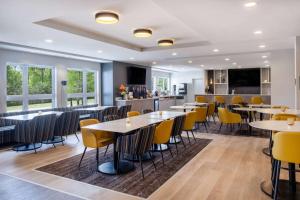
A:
(136, 76)
(244, 77)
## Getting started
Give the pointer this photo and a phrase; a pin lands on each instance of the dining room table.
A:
(250, 111)
(118, 128)
(274, 111)
(196, 104)
(95, 109)
(183, 108)
(289, 189)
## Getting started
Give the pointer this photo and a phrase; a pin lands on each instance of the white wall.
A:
(297, 72)
(60, 63)
(282, 77)
(187, 77)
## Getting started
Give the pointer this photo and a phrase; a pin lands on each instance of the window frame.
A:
(26, 97)
(155, 81)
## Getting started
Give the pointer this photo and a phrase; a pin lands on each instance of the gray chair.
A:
(110, 118)
(137, 144)
(67, 124)
(108, 111)
(122, 111)
(145, 111)
(177, 130)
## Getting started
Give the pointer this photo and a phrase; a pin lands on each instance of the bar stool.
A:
(285, 149)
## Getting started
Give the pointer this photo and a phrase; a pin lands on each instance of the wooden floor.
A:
(230, 167)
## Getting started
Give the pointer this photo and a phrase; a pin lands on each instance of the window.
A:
(161, 84)
(81, 87)
(29, 87)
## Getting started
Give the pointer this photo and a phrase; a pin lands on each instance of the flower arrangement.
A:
(122, 90)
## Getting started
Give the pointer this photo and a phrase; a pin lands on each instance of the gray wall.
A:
(61, 65)
(107, 86)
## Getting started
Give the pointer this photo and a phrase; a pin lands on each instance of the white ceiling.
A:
(198, 27)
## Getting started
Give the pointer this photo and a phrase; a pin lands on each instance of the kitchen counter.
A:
(266, 98)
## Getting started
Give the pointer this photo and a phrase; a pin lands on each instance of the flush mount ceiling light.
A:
(142, 33)
(165, 42)
(250, 4)
(106, 17)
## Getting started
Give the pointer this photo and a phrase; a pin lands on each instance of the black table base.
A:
(56, 139)
(284, 189)
(27, 147)
(108, 167)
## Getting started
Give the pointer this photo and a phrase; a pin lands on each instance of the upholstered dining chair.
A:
(201, 117)
(145, 111)
(162, 135)
(227, 117)
(220, 100)
(137, 144)
(94, 138)
(108, 118)
(237, 100)
(177, 130)
(189, 123)
(133, 113)
(256, 100)
(66, 124)
(113, 110)
(201, 99)
(122, 111)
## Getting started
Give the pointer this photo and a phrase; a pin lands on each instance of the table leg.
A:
(292, 177)
(261, 117)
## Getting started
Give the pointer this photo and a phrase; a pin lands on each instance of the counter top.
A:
(137, 99)
(232, 95)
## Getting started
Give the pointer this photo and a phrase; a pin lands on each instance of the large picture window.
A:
(29, 87)
(81, 87)
(161, 84)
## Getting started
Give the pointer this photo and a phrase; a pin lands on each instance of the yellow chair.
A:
(256, 100)
(94, 139)
(211, 111)
(201, 99)
(220, 99)
(133, 113)
(189, 123)
(283, 116)
(227, 117)
(285, 149)
(201, 116)
(162, 135)
(237, 100)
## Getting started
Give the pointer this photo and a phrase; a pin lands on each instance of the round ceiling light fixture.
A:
(106, 17)
(165, 42)
(142, 33)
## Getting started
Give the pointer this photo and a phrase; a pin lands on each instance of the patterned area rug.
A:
(131, 183)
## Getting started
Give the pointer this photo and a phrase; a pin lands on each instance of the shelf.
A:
(221, 83)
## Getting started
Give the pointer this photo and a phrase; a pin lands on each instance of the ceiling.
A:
(197, 26)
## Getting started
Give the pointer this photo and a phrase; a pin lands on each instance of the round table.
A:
(274, 111)
(287, 188)
(184, 108)
(259, 105)
(250, 114)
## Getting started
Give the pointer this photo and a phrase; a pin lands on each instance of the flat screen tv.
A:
(244, 81)
(136, 76)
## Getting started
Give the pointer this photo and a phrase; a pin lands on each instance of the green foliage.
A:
(39, 80)
(75, 81)
(14, 80)
(90, 82)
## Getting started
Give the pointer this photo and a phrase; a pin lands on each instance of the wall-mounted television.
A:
(136, 76)
(244, 81)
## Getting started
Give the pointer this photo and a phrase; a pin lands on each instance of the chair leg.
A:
(162, 155)
(34, 147)
(62, 140)
(54, 145)
(182, 141)
(187, 133)
(97, 156)
(278, 165)
(193, 135)
(220, 127)
(82, 156)
(152, 159)
(205, 127)
(77, 137)
(170, 150)
(106, 150)
(175, 144)
(141, 163)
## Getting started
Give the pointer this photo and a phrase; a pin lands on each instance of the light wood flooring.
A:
(230, 167)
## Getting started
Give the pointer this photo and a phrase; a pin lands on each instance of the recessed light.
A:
(131, 58)
(142, 33)
(266, 61)
(165, 42)
(174, 54)
(49, 41)
(106, 17)
(234, 63)
(216, 50)
(154, 63)
(190, 61)
(264, 56)
(227, 59)
(99, 51)
(250, 4)
(262, 46)
(201, 65)
(240, 66)
(258, 32)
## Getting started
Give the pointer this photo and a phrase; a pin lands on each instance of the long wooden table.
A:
(123, 127)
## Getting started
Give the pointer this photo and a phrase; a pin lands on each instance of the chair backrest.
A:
(138, 143)
(145, 111)
(108, 118)
(201, 99)
(133, 113)
(283, 116)
(211, 109)
(122, 111)
(201, 114)
(108, 111)
(67, 123)
(163, 132)
(88, 138)
(223, 115)
(220, 99)
(286, 147)
(190, 120)
(256, 100)
(25, 131)
(45, 127)
(237, 100)
(178, 125)
(280, 107)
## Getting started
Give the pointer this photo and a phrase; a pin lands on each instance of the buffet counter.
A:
(246, 97)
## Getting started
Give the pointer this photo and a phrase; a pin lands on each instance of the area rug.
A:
(131, 183)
